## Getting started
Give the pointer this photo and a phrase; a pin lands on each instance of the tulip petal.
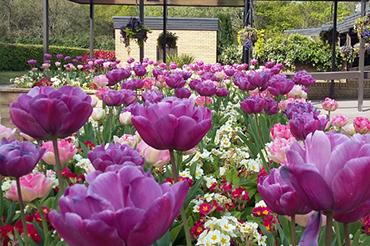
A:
(147, 186)
(318, 150)
(311, 234)
(151, 228)
(180, 190)
(127, 219)
(166, 128)
(308, 182)
(27, 123)
(147, 133)
(351, 184)
(107, 187)
(354, 215)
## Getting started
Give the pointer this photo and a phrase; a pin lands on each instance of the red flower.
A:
(226, 186)
(261, 211)
(205, 208)
(32, 231)
(44, 82)
(89, 144)
(189, 180)
(197, 229)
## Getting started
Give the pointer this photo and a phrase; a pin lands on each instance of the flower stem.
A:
(347, 240)
(21, 205)
(175, 171)
(175, 176)
(292, 231)
(44, 225)
(329, 228)
(58, 166)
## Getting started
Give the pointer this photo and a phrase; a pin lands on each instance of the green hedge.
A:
(296, 50)
(13, 57)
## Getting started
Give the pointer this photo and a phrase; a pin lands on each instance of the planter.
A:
(169, 52)
(9, 94)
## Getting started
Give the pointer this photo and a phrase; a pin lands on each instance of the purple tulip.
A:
(175, 80)
(46, 113)
(331, 172)
(173, 124)
(280, 196)
(222, 92)
(193, 84)
(241, 81)
(173, 65)
(208, 76)
(139, 70)
(303, 78)
(18, 158)
(279, 85)
(186, 75)
(67, 58)
(130, 60)
(116, 75)
(182, 92)
(133, 84)
(270, 64)
(259, 79)
(152, 96)
(102, 157)
(303, 124)
(229, 71)
(32, 62)
(206, 88)
(271, 106)
(59, 56)
(157, 71)
(117, 98)
(253, 105)
(47, 57)
(126, 207)
(297, 108)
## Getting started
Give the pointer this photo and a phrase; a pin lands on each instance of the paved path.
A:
(349, 108)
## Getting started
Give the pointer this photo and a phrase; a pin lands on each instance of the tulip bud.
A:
(94, 101)
(98, 114)
(125, 118)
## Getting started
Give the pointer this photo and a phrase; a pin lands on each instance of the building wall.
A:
(200, 44)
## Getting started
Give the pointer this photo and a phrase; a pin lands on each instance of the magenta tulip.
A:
(46, 113)
(126, 207)
(175, 124)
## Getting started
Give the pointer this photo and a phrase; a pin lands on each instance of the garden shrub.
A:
(181, 60)
(13, 57)
(231, 54)
(297, 50)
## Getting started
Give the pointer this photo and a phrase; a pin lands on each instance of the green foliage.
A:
(181, 60)
(13, 57)
(169, 41)
(231, 54)
(297, 50)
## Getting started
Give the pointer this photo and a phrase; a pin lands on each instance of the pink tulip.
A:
(33, 186)
(148, 83)
(153, 156)
(128, 139)
(297, 92)
(329, 104)
(280, 131)
(277, 148)
(362, 125)
(66, 152)
(203, 101)
(101, 81)
(339, 121)
(7, 133)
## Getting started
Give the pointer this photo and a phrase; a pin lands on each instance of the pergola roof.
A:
(205, 3)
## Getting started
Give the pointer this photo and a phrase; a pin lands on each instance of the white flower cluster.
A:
(198, 173)
(6, 183)
(222, 231)
(83, 163)
(251, 165)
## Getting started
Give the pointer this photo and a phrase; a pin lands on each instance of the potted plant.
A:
(134, 30)
(169, 42)
(247, 37)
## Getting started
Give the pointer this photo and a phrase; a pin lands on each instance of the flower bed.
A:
(198, 155)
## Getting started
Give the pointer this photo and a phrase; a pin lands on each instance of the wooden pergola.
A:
(248, 21)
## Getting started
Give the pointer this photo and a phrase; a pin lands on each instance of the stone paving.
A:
(349, 108)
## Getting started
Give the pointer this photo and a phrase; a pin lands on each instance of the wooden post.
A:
(361, 65)
(141, 8)
(333, 47)
(92, 33)
(45, 26)
(247, 22)
(164, 30)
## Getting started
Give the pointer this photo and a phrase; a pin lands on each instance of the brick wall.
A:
(342, 89)
(200, 44)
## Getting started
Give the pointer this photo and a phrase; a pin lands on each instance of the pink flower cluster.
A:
(66, 151)
(329, 104)
(282, 139)
(362, 125)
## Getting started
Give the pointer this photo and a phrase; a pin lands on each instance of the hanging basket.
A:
(247, 37)
(134, 30)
